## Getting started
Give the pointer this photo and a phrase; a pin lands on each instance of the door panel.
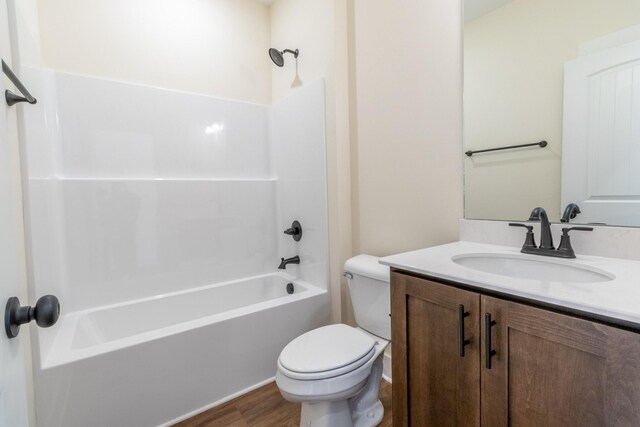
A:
(601, 135)
(433, 385)
(14, 353)
(555, 370)
(530, 390)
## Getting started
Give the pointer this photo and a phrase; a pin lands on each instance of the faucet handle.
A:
(565, 247)
(516, 224)
(566, 230)
(294, 231)
(530, 240)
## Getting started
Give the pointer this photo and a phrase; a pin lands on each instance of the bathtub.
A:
(158, 360)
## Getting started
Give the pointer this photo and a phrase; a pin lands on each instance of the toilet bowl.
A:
(335, 371)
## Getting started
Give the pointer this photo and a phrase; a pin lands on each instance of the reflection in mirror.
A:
(516, 54)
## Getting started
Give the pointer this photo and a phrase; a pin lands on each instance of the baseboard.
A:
(218, 402)
(386, 367)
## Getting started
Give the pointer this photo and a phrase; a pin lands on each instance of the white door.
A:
(601, 137)
(15, 382)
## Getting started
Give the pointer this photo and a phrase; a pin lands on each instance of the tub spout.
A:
(292, 260)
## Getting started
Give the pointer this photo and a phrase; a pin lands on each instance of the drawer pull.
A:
(462, 343)
(489, 353)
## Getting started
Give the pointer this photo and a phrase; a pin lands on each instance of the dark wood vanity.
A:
(465, 357)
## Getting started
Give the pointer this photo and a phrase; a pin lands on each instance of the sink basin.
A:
(532, 267)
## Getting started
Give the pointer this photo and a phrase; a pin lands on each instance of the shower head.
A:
(278, 57)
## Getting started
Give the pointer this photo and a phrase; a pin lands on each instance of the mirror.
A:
(562, 71)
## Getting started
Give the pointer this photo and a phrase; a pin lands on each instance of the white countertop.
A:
(617, 299)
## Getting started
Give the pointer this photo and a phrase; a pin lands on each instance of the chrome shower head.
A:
(278, 57)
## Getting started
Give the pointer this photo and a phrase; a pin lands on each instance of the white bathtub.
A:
(155, 361)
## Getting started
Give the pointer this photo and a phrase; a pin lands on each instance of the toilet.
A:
(335, 370)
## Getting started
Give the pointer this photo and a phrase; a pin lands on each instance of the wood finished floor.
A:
(266, 407)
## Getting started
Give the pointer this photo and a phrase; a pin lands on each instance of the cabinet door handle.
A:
(489, 353)
(462, 341)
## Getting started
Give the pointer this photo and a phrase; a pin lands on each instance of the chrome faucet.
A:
(546, 247)
(285, 262)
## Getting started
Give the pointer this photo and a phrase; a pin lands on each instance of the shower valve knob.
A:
(45, 313)
(295, 231)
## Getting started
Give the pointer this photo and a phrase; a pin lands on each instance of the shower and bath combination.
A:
(278, 56)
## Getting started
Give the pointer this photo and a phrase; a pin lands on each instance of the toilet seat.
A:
(328, 389)
(326, 352)
(321, 375)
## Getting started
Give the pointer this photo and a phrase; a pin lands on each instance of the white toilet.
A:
(335, 371)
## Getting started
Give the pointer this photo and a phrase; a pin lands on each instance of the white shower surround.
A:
(136, 192)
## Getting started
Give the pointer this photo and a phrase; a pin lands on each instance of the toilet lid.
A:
(326, 349)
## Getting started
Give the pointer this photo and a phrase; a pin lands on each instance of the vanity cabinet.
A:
(432, 384)
(546, 368)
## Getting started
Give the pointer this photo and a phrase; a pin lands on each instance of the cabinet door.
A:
(555, 370)
(433, 385)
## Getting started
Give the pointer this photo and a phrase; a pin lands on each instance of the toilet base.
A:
(362, 410)
(339, 414)
(366, 408)
(326, 414)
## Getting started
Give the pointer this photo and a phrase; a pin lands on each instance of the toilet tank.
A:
(369, 289)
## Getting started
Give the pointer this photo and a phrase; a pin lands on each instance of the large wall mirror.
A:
(566, 72)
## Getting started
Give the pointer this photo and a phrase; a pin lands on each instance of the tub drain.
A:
(289, 288)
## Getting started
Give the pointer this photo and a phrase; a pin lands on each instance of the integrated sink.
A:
(532, 267)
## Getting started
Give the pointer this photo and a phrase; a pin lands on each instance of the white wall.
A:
(319, 29)
(408, 112)
(299, 153)
(304, 25)
(514, 65)
(213, 47)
